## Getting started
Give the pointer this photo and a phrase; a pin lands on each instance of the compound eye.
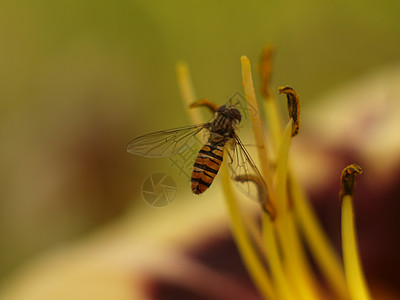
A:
(235, 114)
(221, 109)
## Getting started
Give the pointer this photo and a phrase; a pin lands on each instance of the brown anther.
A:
(266, 70)
(348, 180)
(266, 205)
(207, 103)
(293, 104)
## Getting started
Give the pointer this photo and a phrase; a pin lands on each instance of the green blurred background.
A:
(79, 79)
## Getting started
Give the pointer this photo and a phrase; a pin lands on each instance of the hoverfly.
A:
(222, 138)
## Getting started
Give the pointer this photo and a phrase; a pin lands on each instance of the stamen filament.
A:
(272, 115)
(274, 126)
(352, 264)
(187, 92)
(295, 268)
(283, 286)
(248, 253)
(258, 132)
(319, 244)
(266, 71)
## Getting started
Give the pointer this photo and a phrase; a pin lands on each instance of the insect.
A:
(222, 138)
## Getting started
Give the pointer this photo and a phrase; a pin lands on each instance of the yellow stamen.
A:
(266, 70)
(319, 244)
(283, 286)
(293, 104)
(352, 265)
(258, 132)
(296, 270)
(187, 92)
(296, 262)
(272, 115)
(245, 246)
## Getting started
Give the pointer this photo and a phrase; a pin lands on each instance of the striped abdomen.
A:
(206, 166)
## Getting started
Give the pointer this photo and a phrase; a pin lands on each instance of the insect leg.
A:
(207, 103)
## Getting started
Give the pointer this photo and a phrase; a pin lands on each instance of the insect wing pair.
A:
(174, 141)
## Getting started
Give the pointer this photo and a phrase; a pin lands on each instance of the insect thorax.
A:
(221, 128)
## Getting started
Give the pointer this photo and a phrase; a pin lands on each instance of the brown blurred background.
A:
(79, 79)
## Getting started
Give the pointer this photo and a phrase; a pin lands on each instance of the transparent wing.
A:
(244, 172)
(246, 110)
(165, 143)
